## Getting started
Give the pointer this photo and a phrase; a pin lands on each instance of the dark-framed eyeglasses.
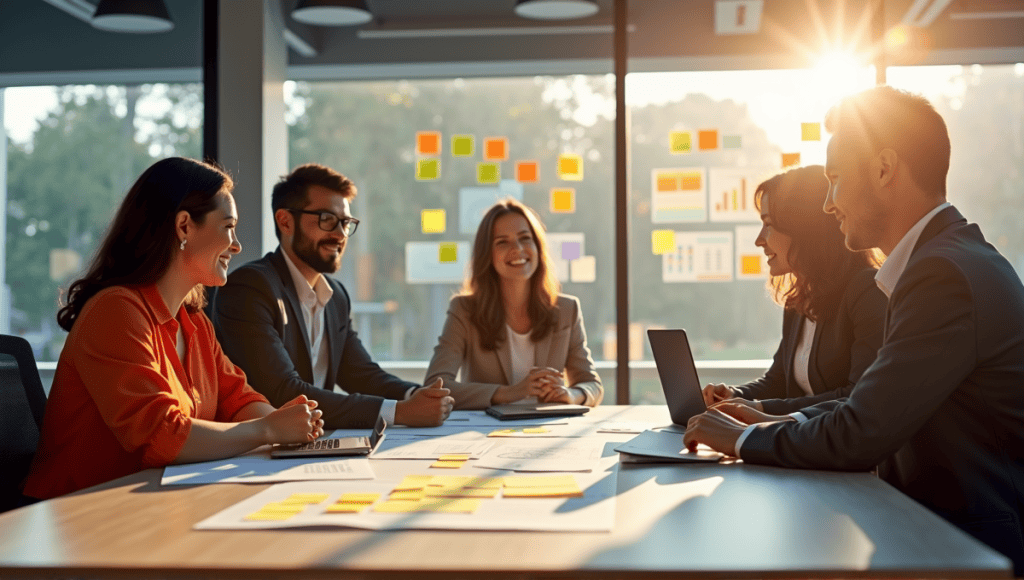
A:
(328, 222)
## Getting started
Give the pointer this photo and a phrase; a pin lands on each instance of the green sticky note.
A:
(462, 145)
(488, 173)
(428, 169)
(448, 252)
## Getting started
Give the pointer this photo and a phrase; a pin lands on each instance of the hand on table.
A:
(427, 407)
(297, 421)
(535, 384)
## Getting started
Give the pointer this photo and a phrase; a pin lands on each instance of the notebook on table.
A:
(663, 447)
(340, 446)
(535, 410)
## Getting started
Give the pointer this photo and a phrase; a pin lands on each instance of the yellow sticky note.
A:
(535, 430)
(501, 432)
(540, 481)
(396, 507)
(448, 464)
(309, 498)
(790, 159)
(462, 145)
(485, 482)
(292, 508)
(561, 491)
(679, 142)
(480, 492)
(570, 167)
(810, 131)
(750, 265)
(428, 143)
(428, 169)
(488, 173)
(410, 482)
(347, 508)
(264, 516)
(563, 200)
(448, 252)
(433, 221)
(707, 140)
(454, 457)
(496, 148)
(663, 242)
(411, 495)
(359, 497)
(450, 480)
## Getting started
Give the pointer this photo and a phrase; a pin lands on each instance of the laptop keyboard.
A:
(320, 444)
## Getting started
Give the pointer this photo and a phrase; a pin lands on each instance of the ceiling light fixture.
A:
(555, 9)
(138, 16)
(332, 12)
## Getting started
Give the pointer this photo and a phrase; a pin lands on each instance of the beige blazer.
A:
(484, 371)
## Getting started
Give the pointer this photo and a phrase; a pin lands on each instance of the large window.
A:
(72, 153)
(423, 155)
(700, 143)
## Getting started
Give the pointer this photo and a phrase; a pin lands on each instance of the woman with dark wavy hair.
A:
(834, 311)
(510, 331)
(142, 381)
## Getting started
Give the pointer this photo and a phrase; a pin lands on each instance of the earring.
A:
(182, 246)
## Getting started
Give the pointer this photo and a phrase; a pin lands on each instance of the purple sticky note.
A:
(570, 250)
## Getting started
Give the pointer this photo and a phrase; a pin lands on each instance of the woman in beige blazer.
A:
(512, 334)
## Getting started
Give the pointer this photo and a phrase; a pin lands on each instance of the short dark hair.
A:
(140, 244)
(887, 118)
(292, 191)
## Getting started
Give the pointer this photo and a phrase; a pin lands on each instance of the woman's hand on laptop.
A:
(714, 393)
(745, 411)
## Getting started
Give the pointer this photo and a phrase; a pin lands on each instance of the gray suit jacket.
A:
(483, 371)
(941, 410)
(842, 349)
(259, 323)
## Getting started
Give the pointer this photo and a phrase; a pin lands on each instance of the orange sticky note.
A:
(495, 148)
(690, 181)
(707, 140)
(750, 265)
(563, 200)
(428, 143)
(790, 159)
(668, 182)
(663, 241)
(570, 167)
(527, 171)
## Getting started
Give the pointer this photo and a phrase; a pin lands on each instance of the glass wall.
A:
(428, 157)
(700, 143)
(72, 153)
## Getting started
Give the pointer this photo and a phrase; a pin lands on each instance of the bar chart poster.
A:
(731, 194)
(699, 257)
(751, 263)
(679, 195)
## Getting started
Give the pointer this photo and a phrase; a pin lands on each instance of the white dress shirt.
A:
(886, 278)
(313, 300)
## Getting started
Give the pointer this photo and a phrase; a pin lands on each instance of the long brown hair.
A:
(821, 263)
(140, 243)
(487, 309)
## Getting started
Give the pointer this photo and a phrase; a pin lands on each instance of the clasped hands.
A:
(545, 383)
(725, 420)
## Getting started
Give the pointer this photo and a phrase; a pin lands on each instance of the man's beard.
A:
(310, 254)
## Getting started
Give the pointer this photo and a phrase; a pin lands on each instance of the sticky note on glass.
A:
(428, 169)
(433, 221)
(810, 131)
(527, 171)
(750, 265)
(563, 200)
(691, 181)
(732, 141)
(428, 143)
(488, 173)
(707, 140)
(570, 167)
(667, 182)
(583, 269)
(496, 148)
(679, 142)
(571, 250)
(447, 252)
(462, 145)
(790, 159)
(663, 242)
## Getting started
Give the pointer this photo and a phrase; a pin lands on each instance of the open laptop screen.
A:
(678, 374)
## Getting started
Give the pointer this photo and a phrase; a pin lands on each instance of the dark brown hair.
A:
(887, 118)
(486, 307)
(291, 192)
(140, 243)
(821, 263)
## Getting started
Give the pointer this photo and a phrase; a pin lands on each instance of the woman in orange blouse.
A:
(142, 381)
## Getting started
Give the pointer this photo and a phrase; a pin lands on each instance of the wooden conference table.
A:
(724, 520)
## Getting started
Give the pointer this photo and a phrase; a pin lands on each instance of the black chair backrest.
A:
(22, 402)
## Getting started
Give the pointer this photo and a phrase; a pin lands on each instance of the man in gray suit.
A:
(288, 325)
(941, 410)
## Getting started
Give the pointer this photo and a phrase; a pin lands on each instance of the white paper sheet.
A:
(258, 467)
(594, 512)
(543, 455)
(422, 448)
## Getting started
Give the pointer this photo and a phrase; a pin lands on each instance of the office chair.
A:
(22, 402)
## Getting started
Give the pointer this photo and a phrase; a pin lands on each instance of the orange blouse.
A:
(121, 401)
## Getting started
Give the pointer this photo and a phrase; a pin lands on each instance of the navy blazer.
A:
(840, 352)
(941, 411)
(259, 323)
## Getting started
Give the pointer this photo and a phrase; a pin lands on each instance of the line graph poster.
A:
(731, 195)
(699, 257)
(679, 195)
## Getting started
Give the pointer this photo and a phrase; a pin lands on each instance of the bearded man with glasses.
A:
(288, 325)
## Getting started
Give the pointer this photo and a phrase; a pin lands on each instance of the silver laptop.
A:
(340, 446)
(678, 376)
